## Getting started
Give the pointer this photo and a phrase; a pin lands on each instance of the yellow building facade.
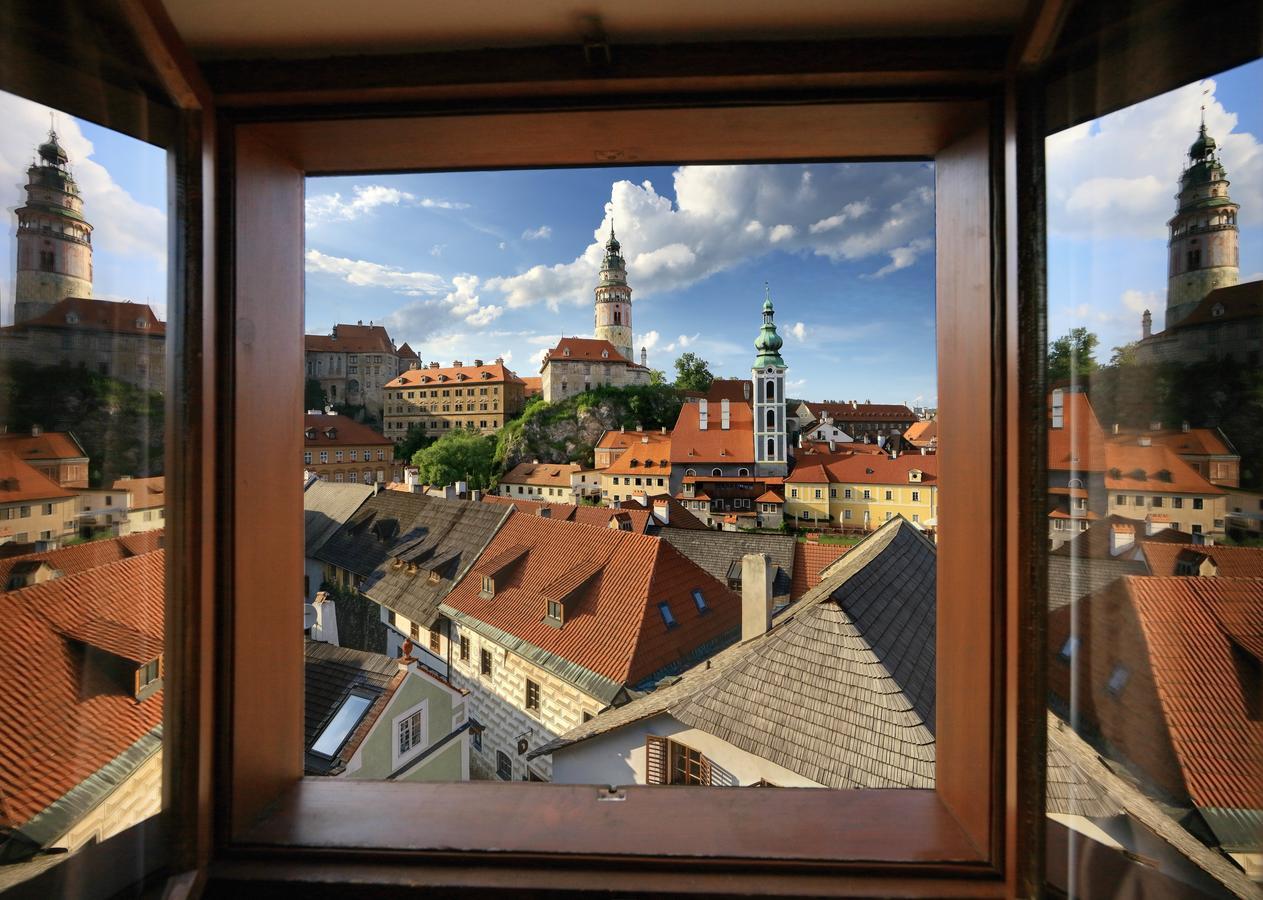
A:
(439, 400)
(861, 492)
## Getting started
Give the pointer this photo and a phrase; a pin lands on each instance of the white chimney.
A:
(1184, 426)
(724, 414)
(1121, 537)
(1116, 428)
(1152, 527)
(1146, 441)
(662, 511)
(326, 627)
(756, 595)
(702, 411)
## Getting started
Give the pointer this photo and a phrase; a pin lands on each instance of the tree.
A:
(457, 456)
(413, 441)
(1071, 356)
(657, 377)
(1124, 355)
(692, 373)
(314, 395)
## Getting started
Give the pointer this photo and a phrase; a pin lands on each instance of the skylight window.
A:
(341, 725)
(1118, 679)
(1068, 648)
(667, 617)
(700, 601)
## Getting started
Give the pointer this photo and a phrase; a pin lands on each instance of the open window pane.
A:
(82, 491)
(1155, 492)
(614, 466)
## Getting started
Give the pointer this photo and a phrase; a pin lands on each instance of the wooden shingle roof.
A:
(716, 551)
(840, 690)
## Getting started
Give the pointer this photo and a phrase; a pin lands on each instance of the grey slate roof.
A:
(330, 674)
(813, 694)
(396, 540)
(1072, 578)
(326, 506)
(717, 551)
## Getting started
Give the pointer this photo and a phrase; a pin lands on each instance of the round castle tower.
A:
(54, 239)
(1203, 247)
(613, 300)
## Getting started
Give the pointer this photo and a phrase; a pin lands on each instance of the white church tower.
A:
(771, 436)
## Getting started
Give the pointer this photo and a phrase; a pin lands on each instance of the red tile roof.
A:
(922, 433)
(20, 482)
(862, 412)
(677, 515)
(80, 557)
(1238, 301)
(406, 352)
(1194, 442)
(693, 446)
(55, 729)
(1153, 469)
(596, 516)
(613, 440)
(643, 458)
(534, 385)
(452, 376)
(1231, 562)
(351, 339)
(147, 493)
(47, 445)
(865, 469)
(810, 559)
(1095, 542)
(542, 474)
(347, 433)
(86, 314)
(587, 350)
(736, 390)
(1080, 443)
(613, 625)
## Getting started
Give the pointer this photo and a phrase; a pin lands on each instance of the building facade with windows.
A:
(556, 621)
(33, 508)
(549, 482)
(339, 449)
(353, 363)
(642, 469)
(861, 492)
(859, 420)
(480, 398)
(58, 454)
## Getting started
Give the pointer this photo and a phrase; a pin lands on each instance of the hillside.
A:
(568, 431)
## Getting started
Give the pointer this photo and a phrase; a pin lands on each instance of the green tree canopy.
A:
(457, 456)
(1072, 355)
(413, 441)
(692, 373)
(657, 377)
(314, 395)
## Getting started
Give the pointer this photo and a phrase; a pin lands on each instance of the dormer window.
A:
(555, 612)
(605, 354)
(1217, 310)
(149, 678)
(310, 434)
(142, 323)
(331, 433)
(565, 351)
(72, 318)
(488, 587)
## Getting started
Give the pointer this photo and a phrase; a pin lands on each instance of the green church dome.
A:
(768, 343)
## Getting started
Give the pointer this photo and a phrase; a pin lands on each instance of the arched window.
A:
(1075, 483)
(771, 418)
(690, 473)
(771, 389)
(717, 472)
(743, 473)
(771, 447)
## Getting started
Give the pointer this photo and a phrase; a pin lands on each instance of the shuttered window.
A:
(669, 762)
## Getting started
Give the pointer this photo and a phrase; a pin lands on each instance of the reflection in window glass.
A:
(82, 492)
(699, 390)
(1155, 474)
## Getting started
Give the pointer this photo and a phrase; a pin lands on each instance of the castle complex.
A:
(604, 360)
(1208, 314)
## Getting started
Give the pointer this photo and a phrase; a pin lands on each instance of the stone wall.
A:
(564, 378)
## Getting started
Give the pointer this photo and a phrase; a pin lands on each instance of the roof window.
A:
(1118, 679)
(335, 734)
(667, 618)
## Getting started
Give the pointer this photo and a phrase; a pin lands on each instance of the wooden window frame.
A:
(958, 829)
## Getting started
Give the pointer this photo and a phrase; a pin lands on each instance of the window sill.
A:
(482, 822)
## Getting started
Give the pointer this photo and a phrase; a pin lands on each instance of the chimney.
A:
(644, 438)
(434, 364)
(662, 511)
(1121, 537)
(664, 429)
(639, 427)
(456, 364)
(702, 412)
(832, 447)
(499, 360)
(724, 414)
(1145, 441)
(405, 655)
(1116, 428)
(1146, 324)
(36, 431)
(475, 496)
(1184, 426)
(622, 429)
(477, 362)
(756, 595)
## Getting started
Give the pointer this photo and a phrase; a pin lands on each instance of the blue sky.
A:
(1111, 189)
(485, 264)
(502, 263)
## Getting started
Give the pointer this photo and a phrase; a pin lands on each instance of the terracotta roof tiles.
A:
(867, 469)
(1155, 469)
(643, 458)
(691, 445)
(1231, 562)
(147, 493)
(612, 626)
(451, 376)
(577, 349)
(20, 482)
(89, 555)
(542, 474)
(346, 433)
(1079, 443)
(47, 445)
(88, 314)
(810, 561)
(351, 339)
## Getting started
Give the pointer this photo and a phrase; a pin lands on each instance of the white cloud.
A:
(845, 212)
(121, 223)
(902, 257)
(798, 330)
(541, 233)
(484, 315)
(1139, 301)
(437, 249)
(363, 273)
(364, 199)
(649, 340)
(503, 245)
(1116, 176)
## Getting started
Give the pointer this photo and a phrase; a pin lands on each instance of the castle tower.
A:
(54, 239)
(771, 440)
(613, 300)
(1203, 252)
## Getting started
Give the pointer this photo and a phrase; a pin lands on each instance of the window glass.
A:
(83, 304)
(686, 385)
(1155, 277)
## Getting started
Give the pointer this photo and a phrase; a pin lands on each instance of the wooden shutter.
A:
(706, 770)
(655, 759)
